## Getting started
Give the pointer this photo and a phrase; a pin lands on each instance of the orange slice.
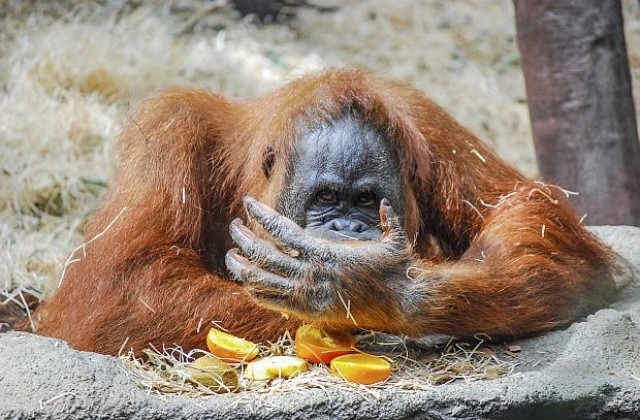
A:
(321, 346)
(361, 368)
(230, 348)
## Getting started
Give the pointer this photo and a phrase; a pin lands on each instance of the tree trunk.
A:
(582, 114)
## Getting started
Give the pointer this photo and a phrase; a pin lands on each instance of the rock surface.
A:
(589, 370)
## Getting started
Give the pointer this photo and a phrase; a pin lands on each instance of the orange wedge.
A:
(321, 346)
(229, 348)
(361, 368)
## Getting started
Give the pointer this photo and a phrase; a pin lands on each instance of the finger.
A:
(286, 230)
(392, 229)
(262, 252)
(256, 279)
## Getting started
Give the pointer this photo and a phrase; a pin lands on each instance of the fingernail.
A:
(263, 207)
(247, 232)
(234, 253)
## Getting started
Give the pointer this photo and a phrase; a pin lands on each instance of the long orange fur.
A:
(506, 254)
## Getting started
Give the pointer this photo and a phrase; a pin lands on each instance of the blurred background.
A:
(71, 71)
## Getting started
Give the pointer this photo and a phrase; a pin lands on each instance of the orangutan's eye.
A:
(327, 196)
(366, 199)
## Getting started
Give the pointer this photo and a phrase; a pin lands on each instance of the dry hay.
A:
(164, 372)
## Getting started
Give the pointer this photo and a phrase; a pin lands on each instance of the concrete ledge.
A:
(589, 370)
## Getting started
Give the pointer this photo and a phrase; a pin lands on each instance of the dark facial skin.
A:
(344, 183)
(340, 174)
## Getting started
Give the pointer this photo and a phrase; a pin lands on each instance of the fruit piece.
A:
(230, 348)
(213, 373)
(319, 346)
(275, 367)
(361, 368)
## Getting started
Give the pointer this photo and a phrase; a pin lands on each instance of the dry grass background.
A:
(71, 71)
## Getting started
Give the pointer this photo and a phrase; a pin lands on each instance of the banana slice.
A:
(275, 367)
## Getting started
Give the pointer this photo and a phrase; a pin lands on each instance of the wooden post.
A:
(579, 92)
